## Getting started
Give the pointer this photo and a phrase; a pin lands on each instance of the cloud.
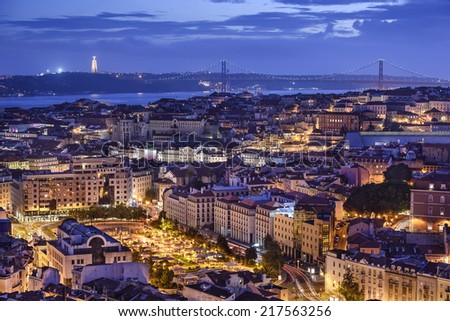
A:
(345, 28)
(125, 15)
(314, 29)
(229, 1)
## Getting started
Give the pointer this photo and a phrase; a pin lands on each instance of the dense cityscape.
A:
(228, 196)
(183, 158)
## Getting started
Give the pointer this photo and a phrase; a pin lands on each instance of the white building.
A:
(79, 245)
(128, 271)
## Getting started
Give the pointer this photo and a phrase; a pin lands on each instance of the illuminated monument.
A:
(94, 65)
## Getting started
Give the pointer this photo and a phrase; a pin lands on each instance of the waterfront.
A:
(127, 98)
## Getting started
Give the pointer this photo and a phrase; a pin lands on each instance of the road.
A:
(302, 282)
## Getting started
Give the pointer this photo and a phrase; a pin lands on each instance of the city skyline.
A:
(279, 37)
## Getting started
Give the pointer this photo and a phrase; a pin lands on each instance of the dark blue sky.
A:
(267, 36)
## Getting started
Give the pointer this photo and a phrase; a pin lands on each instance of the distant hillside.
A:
(88, 83)
(78, 83)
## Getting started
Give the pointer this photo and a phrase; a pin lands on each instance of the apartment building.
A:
(388, 279)
(315, 241)
(80, 245)
(171, 125)
(375, 165)
(14, 264)
(222, 214)
(175, 206)
(369, 271)
(442, 105)
(242, 221)
(141, 181)
(90, 182)
(377, 107)
(283, 232)
(46, 162)
(436, 153)
(264, 220)
(200, 209)
(5, 188)
(430, 202)
(336, 122)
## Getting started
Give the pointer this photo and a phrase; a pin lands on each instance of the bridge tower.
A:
(380, 74)
(224, 77)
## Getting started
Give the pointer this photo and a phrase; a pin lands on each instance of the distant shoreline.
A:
(28, 102)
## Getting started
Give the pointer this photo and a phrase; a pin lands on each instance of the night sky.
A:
(267, 36)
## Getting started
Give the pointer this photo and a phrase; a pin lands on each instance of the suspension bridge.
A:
(230, 75)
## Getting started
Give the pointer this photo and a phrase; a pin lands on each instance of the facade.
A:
(175, 126)
(442, 105)
(377, 107)
(42, 277)
(51, 163)
(160, 185)
(200, 209)
(401, 282)
(124, 271)
(382, 278)
(375, 165)
(369, 271)
(5, 188)
(335, 122)
(315, 240)
(141, 182)
(90, 182)
(242, 221)
(175, 206)
(13, 162)
(356, 174)
(430, 202)
(264, 220)
(80, 245)
(15, 260)
(436, 153)
(222, 214)
(283, 232)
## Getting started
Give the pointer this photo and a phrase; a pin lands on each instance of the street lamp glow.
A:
(60, 70)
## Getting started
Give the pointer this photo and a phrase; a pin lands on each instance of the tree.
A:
(250, 256)
(136, 256)
(400, 172)
(162, 215)
(349, 289)
(390, 197)
(272, 259)
(222, 245)
(150, 195)
(392, 127)
(166, 278)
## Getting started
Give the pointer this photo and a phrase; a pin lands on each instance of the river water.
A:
(127, 98)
